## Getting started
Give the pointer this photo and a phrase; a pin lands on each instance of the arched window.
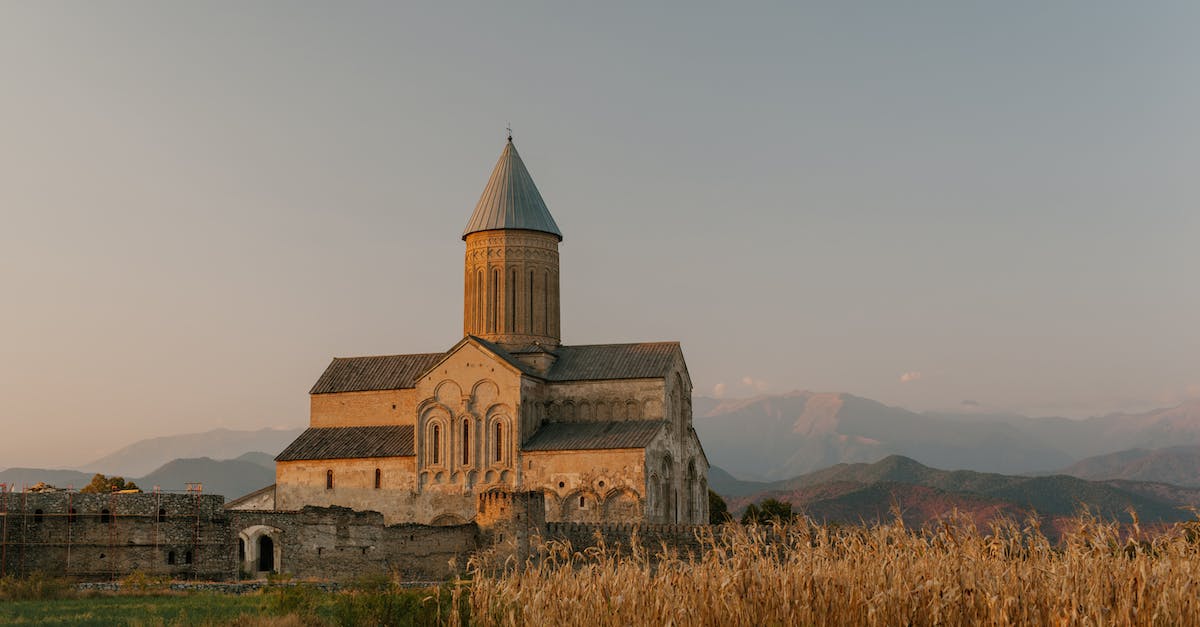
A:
(546, 303)
(378, 478)
(37, 515)
(171, 558)
(499, 442)
(493, 311)
(105, 516)
(162, 515)
(329, 479)
(480, 298)
(511, 305)
(437, 444)
(187, 556)
(466, 442)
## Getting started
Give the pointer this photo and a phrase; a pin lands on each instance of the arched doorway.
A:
(260, 549)
(266, 554)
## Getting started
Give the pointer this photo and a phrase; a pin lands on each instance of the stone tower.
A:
(511, 279)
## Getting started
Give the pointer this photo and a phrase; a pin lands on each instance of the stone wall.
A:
(338, 543)
(355, 409)
(652, 538)
(92, 536)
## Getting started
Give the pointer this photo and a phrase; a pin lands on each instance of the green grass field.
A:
(181, 609)
(371, 604)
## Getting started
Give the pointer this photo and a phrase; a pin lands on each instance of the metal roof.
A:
(612, 434)
(643, 360)
(350, 443)
(511, 200)
(384, 372)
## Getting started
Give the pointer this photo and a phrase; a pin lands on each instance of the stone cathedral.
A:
(604, 431)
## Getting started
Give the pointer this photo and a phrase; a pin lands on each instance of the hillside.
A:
(144, 456)
(854, 492)
(778, 436)
(230, 478)
(1179, 465)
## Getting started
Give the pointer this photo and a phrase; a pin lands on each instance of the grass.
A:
(182, 609)
(952, 573)
(39, 600)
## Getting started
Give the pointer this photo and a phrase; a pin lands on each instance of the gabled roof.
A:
(511, 200)
(610, 434)
(384, 372)
(350, 443)
(593, 362)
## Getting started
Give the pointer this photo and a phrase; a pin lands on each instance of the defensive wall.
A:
(192, 536)
(97, 536)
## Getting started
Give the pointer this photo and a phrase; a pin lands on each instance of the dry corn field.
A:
(804, 574)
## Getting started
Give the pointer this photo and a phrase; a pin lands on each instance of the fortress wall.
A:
(110, 536)
(341, 544)
(685, 539)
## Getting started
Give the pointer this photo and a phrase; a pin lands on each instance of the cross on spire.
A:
(508, 127)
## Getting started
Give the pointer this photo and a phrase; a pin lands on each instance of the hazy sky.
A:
(921, 203)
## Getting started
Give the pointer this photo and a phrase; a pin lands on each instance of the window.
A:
(499, 442)
(71, 515)
(466, 444)
(378, 478)
(582, 501)
(187, 556)
(105, 516)
(162, 515)
(37, 515)
(328, 479)
(529, 316)
(171, 558)
(437, 444)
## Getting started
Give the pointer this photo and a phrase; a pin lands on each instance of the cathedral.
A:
(603, 431)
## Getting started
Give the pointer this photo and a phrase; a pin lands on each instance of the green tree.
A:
(103, 485)
(718, 511)
(768, 511)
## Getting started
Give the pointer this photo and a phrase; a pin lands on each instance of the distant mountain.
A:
(144, 456)
(266, 460)
(774, 437)
(19, 478)
(230, 478)
(1179, 465)
(853, 493)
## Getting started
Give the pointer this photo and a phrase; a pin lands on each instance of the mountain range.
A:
(228, 477)
(778, 436)
(144, 456)
(852, 493)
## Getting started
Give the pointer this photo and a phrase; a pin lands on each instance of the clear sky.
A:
(924, 203)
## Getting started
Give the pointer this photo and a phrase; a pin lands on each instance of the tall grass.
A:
(805, 574)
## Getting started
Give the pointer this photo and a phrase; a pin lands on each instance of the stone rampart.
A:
(652, 538)
(98, 536)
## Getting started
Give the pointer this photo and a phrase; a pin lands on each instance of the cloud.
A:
(719, 390)
(910, 376)
(757, 385)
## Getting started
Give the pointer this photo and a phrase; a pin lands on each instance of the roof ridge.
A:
(656, 343)
(390, 355)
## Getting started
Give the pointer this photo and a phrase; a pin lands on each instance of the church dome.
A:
(511, 200)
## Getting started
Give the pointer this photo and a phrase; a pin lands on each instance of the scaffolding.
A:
(45, 528)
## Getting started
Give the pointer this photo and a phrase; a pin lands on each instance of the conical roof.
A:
(511, 200)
